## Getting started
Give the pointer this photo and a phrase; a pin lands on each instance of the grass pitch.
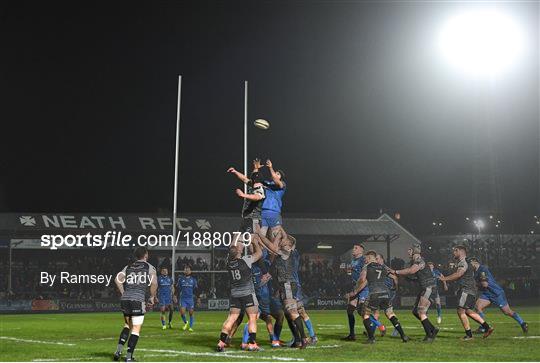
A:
(93, 337)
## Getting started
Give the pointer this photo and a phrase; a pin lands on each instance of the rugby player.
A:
(355, 303)
(492, 293)
(186, 286)
(271, 207)
(287, 287)
(373, 275)
(253, 199)
(242, 293)
(436, 274)
(165, 286)
(428, 290)
(251, 215)
(466, 293)
(261, 278)
(133, 282)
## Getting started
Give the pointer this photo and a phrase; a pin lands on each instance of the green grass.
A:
(93, 337)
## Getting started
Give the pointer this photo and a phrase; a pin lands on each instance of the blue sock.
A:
(375, 321)
(517, 318)
(439, 311)
(183, 318)
(162, 320)
(309, 327)
(245, 335)
(191, 320)
(277, 331)
(351, 323)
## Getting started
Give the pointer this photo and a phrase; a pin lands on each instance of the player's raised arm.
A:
(455, 276)
(255, 197)
(409, 270)
(242, 177)
(275, 176)
(257, 250)
(271, 247)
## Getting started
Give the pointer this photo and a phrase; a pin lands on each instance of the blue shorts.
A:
(495, 299)
(263, 296)
(270, 219)
(362, 295)
(164, 300)
(187, 303)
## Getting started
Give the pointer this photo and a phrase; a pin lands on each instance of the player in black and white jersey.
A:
(133, 282)
(374, 276)
(466, 294)
(252, 207)
(242, 293)
(251, 216)
(428, 291)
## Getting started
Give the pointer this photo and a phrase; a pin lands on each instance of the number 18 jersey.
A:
(241, 276)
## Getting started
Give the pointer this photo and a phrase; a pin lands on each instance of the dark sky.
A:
(364, 113)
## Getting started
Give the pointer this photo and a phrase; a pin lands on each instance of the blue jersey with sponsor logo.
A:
(483, 274)
(165, 283)
(274, 195)
(186, 285)
(256, 272)
(357, 264)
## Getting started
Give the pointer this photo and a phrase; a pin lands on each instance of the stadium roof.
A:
(29, 225)
(313, 233)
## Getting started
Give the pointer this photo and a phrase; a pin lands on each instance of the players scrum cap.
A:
(416, 248)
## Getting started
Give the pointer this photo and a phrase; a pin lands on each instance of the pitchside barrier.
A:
(110, 305)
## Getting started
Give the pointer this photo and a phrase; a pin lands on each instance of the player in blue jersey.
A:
(186, 286)
(165, 293)
(436, 273)
(271, 207)
(492, 293)
(261, 278)
(356, 303)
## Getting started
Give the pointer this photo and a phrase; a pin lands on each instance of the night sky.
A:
(364, 113)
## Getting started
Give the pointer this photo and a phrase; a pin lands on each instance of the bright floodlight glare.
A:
(481, 41)
(479, 224)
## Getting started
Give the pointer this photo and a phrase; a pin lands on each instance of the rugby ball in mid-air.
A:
(262, 124)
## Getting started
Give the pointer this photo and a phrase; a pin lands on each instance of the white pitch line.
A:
(332, 325)
(225, 354)
(528, 337)
(60, 360)
(35, 341)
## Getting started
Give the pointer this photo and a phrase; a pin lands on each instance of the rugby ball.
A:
(262, 124)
